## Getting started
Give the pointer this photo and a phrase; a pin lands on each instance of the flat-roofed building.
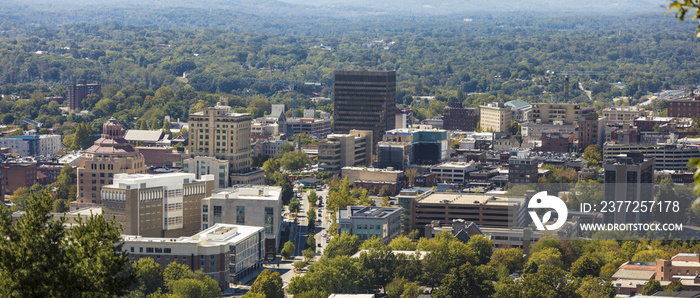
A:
(249, 205)
(316, 128)
(227, 253)
(46, 145)
(162, 205)
(365, 222)
(340, 150)
(218, 132)
(205, 165)
(623, 115)
(453, 172)
(482, 209)
(667, 156)
(550, 113)
(364, 100)
(495, 117)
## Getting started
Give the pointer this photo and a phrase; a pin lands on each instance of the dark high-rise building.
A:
(628, 177)
(587, 129)
(78, 92)
(365, 100)
(456, 117)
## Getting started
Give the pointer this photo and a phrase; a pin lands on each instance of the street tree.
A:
(287, 250)
(269, 283)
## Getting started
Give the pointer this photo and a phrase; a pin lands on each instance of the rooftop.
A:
(215, 235)
(470, 199)
(249, 192)
(143, 135)
(368, 212)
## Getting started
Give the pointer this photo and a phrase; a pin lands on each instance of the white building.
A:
(33, 145)
(365, 222)
(453, 172)
(225, 252)
(259, 206)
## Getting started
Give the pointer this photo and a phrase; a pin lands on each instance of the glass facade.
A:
(269, 219)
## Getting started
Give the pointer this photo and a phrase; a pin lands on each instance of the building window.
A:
(205, 217)
(269, 219)
(240, 215)
(205, 208)
(149, 249)
(217, 214)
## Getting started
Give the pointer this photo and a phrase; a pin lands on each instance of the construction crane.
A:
(292, 85)
(32, 122)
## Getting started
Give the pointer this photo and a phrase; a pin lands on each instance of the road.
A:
(302, 233)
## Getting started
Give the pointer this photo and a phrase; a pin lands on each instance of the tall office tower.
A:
(219, 133)
(456, 117)
(111, 154)
(628, 178)
(161, 205)
(587, 128)
(78, 92)
(365, 100)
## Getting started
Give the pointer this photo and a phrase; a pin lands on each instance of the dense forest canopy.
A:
(250, 58)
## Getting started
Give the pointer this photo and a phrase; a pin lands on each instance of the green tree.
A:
(298, 265)
(377, 267)
(482, 247)
(585, 266)
(287, 190)
(312, 197)
(342, 245)
(192, 288)
(287, 250)
(402, 243)
(310, 242)
(548, 256)
(548, 281)
(268, 283)
(294, 160)
(384, 191)
(590, 287)
(374, 242)
(446, 252)
(311, 217)
(674, 286)
(149, 276)
(651, 287)
(294, 206)
(309, 253)
(511, 258)
(330, 275)
(467, 281)
(593, 154)
(40, 258)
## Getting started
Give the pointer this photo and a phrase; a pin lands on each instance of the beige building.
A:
(482, 209)
(625, 115)
(227, 253)
(163, 205)
(553, 113)
(340, 150)
(217, 132)
(259, 206)
(110, 155)
(495, 117)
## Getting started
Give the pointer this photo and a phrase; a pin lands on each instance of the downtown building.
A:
(251, 205)
(341, 150)
(226, 253)
(455, 117)
(364, 100)
(161, 205)
(495, 117)
(110, 155)
(78, 92)
(219, 133)
(38, 145)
